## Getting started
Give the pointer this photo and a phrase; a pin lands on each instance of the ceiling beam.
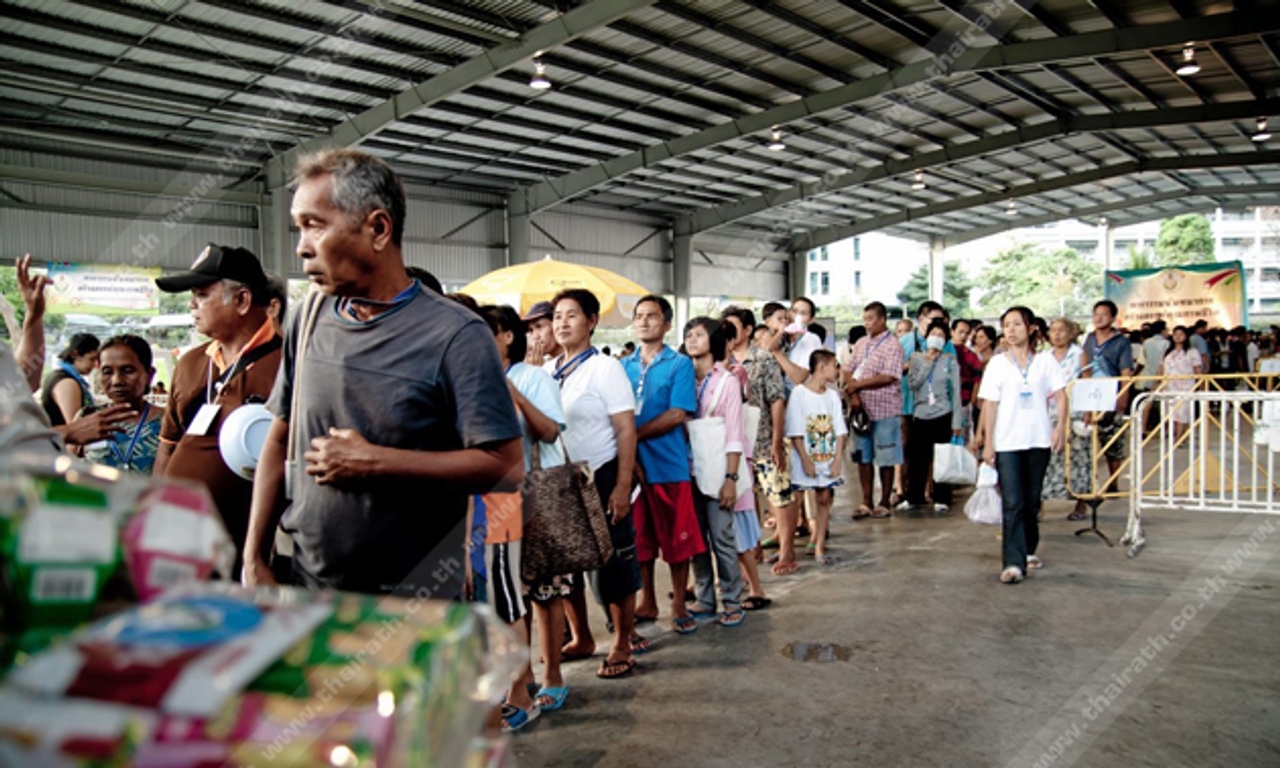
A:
(1099, 210)
(471, 72)
(818, 238)
(132, 186)
(711, 218)
(548, 193)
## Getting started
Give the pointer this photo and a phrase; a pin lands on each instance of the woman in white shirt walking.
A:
(1019, 436)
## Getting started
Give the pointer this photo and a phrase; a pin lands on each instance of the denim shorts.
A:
(883, 445)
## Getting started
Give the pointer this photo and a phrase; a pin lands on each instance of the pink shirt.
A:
(730, 409)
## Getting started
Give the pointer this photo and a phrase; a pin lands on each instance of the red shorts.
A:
(666, 522)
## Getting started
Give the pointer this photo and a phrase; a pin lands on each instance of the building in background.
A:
(862, 269)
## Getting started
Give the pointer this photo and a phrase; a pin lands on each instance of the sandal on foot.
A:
(698, 612)
(756, 603)
(639, 645)
(515, 718)
(785, 569)
(732, 618)
(1034, 563)
(554, 696)
(1078, 514)
(769, 543)
(646, 618)
(1010, 576)
(880, 513)
(862, 511)
(823, 559)
(686, 626)
(612, 670)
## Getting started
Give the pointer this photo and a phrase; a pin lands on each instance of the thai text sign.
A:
(1180, 295)
(91, 289)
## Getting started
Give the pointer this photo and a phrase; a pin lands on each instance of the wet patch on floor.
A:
(821, 653)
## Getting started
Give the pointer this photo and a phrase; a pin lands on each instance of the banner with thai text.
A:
(1180, 295)
(94, 289)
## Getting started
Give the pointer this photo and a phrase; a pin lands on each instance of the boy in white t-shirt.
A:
(816, 428)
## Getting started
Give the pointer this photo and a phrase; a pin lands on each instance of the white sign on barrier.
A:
(1094, 395)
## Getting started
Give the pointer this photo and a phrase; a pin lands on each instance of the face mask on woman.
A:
(936, 343)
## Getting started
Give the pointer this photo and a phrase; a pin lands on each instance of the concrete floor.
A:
(948, 667)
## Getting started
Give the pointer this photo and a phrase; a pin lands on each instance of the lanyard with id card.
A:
(860, 372)
(1026, 396)
(202, 423)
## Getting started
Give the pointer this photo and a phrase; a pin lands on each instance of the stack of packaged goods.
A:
(205, 674)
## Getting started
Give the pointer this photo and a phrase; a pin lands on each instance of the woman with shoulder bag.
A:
(599, 408)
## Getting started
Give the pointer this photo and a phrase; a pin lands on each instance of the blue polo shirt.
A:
(911, 343)
(668, 382)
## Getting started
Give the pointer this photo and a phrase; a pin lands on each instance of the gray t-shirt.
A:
(423, 376)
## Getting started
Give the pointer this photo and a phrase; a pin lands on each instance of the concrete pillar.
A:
(682, 278)
(1108, 247)
(1255, 289)
(798, 275)
(518, 227)
(278, 246)
(1217, 233)
(936, 268)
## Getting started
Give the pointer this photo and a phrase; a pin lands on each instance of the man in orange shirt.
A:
(229, 297)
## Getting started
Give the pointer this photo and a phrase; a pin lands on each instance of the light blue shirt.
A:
(668, 382)
(911, 343)
(540, 389)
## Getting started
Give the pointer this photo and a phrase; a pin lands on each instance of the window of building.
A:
(813, 255)
(826, 284)
(857, 280)
(813, 282)
(857, 249)
(824, 253)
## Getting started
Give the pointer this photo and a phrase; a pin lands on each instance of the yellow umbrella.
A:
(524, 285)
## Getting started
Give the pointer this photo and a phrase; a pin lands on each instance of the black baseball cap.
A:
(216, 263)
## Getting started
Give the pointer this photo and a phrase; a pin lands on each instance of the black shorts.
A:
(620, 577)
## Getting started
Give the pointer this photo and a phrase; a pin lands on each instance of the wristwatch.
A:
(731, 476)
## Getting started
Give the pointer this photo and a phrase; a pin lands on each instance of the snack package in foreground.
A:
(217, 675)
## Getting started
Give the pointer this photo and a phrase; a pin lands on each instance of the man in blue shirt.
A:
(1107, 353)
(664, 515)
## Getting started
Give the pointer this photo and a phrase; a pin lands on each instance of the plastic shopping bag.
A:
(985, 506)
(953, 464)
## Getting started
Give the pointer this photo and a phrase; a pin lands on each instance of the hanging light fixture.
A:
(1188, 66)
(1012, 208)
(775, 140)
(1102, 221)
(1262, 134)
(539, 81)
(918, 181)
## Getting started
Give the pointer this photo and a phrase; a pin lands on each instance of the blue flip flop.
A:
(685, 626)
(557, 696)
(732, 618)
(515, 718)
(699, 613)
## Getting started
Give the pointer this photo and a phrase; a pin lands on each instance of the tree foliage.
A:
(1141, 258)
(1185, 239)
(1051, 283)
(956, 287)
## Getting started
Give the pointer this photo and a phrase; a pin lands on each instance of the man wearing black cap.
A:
(229, 297)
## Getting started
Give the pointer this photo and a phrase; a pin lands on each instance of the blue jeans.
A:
(1021, 481)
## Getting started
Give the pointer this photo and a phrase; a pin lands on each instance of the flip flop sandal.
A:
(824, 559)
(732, 618)
(771, 559)
(557, 696)
(702, 613)
(785, 569)
(1081, 515)
(515, 718)
(756, 603)
(1034, 563)
(612, 670)
(639, 645)
(861, 512)
(880, 513)
(685, 626)
(769, 543)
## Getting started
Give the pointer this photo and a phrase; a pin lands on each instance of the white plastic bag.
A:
(954, 465)
(985, 505)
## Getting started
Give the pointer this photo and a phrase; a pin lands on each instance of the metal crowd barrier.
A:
(1223, 461)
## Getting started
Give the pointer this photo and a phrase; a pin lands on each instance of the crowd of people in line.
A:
(404, 422)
